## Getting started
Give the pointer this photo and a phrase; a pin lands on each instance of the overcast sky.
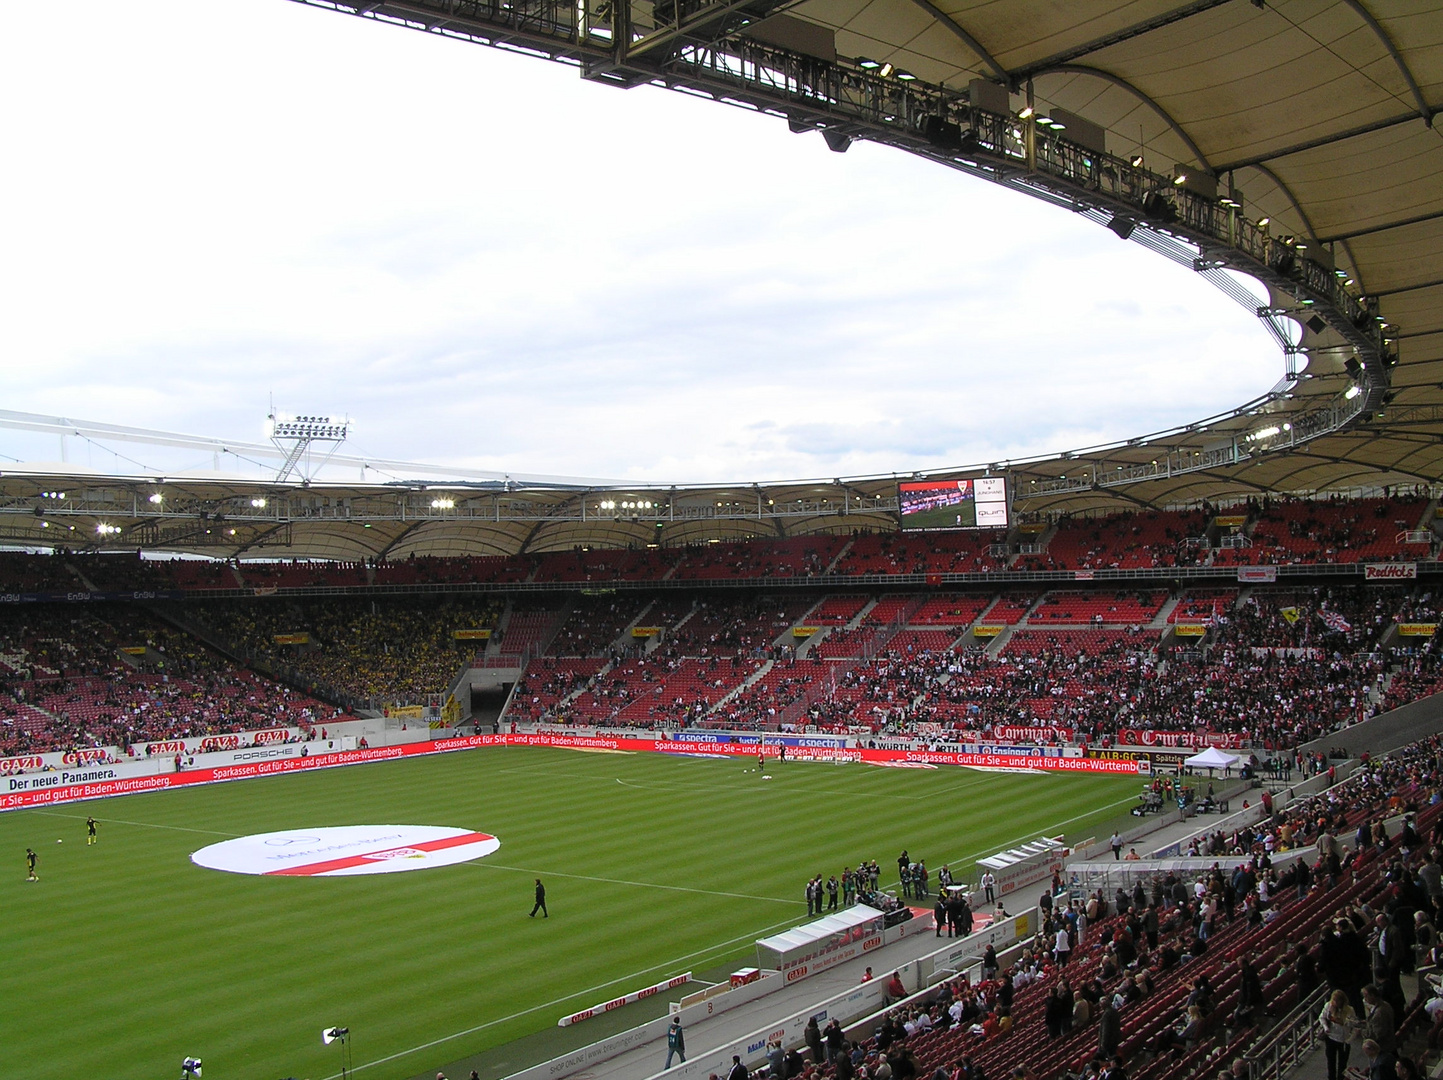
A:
(487, 262)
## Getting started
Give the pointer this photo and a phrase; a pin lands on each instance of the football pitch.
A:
(125, 957)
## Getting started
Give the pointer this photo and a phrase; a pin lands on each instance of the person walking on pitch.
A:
(30, 858)
(540, 901)
(90, 837)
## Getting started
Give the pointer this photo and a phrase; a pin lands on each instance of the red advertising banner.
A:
(47, 789)
(1148, 737)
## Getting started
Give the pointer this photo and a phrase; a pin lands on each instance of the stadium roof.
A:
(1292, 141)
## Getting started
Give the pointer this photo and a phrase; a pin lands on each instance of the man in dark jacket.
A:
(540, 901)
(1109, 1030)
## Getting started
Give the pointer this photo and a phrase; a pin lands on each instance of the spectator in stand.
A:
(1339, 1025)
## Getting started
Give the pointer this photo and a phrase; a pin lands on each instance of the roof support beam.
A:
(1157, 22)
(1417, 219)
(1321, 141)
(1122, 84)
(953, 27)
(402, 535)
(1367, 16)
(1302, 214)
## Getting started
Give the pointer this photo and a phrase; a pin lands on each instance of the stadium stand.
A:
(1232, 952)
(933, 553)
(392, 650)
(1097, 608)
(1125, 541)
(112, 675)
(802, 556)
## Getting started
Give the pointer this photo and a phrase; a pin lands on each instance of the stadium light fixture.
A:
(1264, 222)
(157, 498)
(906, 76)
(282, 426)
(1026, 114)
(259, 504)
(1136, 161)
(868, 65)
(1352, 392)
(443, 504)
(1179, 180)
(107, 530)
(886, 71)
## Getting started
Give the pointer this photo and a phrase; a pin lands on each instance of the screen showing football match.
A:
(954, 504)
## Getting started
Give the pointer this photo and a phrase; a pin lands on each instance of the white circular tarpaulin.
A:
(346, 850)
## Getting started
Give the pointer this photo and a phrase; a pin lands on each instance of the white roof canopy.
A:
(1211, 758)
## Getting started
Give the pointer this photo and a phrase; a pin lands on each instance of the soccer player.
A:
(90, 837)
(30, 858)
(540, 901)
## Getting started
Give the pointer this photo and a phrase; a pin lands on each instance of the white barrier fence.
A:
(625, 999)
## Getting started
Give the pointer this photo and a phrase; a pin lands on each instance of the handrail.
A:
(1291, 1040)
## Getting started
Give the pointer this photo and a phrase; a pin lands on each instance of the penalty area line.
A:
(669, 964)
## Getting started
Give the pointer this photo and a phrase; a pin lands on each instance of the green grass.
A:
(125, 957)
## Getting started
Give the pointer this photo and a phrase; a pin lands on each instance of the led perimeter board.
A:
(954, 504)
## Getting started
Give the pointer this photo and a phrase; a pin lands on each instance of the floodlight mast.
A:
(293, 436)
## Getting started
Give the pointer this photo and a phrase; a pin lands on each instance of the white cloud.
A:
(489, 262)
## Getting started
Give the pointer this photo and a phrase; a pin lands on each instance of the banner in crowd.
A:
(1012, 733)
(291, 639)
(1257, 575)
(1231, 521)
(987, 630)
(645, 631)
(52, 793)
(471, 635)
(1417, 629)
(1183, 629)
(1390, 571)
(1201, 740)
(82, 596)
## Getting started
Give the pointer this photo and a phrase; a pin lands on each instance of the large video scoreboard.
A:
(980, 503)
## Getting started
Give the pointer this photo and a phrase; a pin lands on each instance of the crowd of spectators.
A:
(1180, 974)
(392, 649)
(112, 675)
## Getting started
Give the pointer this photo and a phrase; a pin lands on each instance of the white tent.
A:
(1211, 758)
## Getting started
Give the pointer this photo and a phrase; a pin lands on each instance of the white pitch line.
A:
(672, 964)
(482, 865)
(142, 824)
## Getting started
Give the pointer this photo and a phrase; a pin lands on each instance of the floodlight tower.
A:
(293, 436)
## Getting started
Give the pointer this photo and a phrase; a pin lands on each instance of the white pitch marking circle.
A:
(346, 850)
